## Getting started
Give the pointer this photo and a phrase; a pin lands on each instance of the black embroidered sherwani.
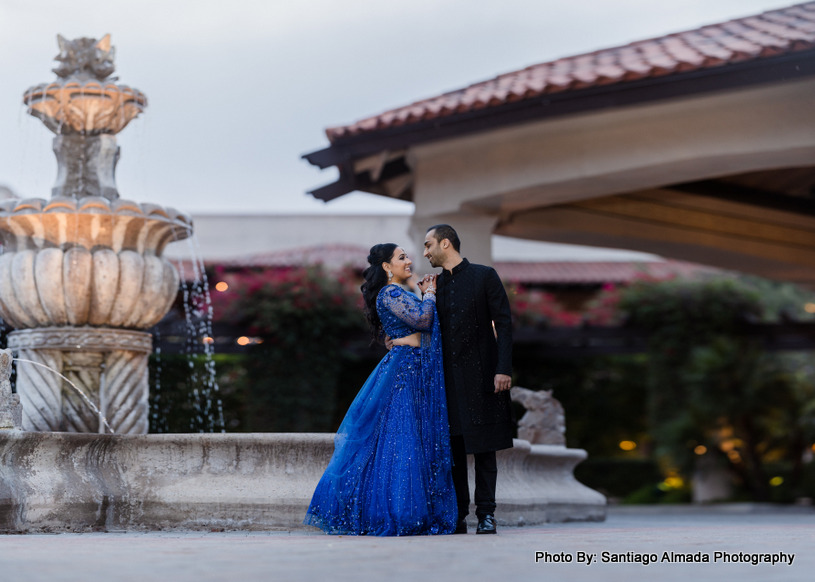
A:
(469, 300)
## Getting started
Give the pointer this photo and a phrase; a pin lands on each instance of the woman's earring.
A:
(390, 275)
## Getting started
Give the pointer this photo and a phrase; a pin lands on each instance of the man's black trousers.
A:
(486, 475)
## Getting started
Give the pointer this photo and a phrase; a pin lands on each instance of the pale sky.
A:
(238, 90)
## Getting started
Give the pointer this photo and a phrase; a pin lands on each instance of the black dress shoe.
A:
(461, 527)
(486, 525)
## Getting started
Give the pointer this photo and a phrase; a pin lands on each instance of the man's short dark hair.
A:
(445, 231)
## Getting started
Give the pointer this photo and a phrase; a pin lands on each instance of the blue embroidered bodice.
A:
(402, 313)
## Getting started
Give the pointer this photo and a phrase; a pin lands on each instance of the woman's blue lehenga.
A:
(390, 472)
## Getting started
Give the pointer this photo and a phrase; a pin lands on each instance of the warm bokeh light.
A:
(731, 444)
(776, 481)
(243, 341)
(221, 286)
(809, 307)
(208, 340)
(628, 445)
(734, 456)
(700, 449)
(672, 481)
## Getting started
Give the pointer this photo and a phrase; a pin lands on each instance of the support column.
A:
(11, 412)
(39, 387)
(126, 391)
(108, 366)
(83, 370)
(86, 166)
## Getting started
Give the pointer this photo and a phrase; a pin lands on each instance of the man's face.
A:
(433, 250)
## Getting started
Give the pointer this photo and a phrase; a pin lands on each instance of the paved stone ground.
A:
(629, 532)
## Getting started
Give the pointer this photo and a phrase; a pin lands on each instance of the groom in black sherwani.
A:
(476, 327)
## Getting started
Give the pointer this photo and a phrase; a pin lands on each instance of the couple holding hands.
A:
(400, 455)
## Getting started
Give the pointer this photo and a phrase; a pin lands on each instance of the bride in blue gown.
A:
(390, 474)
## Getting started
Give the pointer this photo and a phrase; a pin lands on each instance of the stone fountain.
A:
(82, 274)
(81, 279)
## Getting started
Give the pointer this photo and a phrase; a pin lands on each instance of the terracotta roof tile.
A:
(769, 34)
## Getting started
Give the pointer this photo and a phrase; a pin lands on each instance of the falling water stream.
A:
(204, 394)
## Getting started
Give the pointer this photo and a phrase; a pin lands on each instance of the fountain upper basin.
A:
(87, 107)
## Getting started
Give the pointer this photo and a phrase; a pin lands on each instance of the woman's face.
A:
(399, 265)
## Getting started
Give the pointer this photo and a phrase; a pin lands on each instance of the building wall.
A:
(233, 236)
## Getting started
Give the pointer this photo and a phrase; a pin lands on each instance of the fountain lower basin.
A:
(82, 482)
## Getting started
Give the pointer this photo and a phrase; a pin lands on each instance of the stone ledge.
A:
(261, 481)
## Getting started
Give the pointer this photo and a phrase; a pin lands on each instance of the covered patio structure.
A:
(697, 146)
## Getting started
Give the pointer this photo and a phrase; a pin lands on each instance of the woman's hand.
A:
(428, 284)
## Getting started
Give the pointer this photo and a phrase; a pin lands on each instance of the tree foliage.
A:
(300, 320)
(712, 390)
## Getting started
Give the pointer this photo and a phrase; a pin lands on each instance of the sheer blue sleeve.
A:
(397, 306)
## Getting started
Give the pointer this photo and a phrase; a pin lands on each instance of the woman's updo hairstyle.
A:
(375, 278)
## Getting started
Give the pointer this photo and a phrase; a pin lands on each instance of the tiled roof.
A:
(770, 34)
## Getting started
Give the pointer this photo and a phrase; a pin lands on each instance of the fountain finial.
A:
(83, 101)
(83, 58)
(85, 110)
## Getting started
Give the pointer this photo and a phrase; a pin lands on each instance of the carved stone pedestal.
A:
(86, 165)
(61, 370)
(11, 412)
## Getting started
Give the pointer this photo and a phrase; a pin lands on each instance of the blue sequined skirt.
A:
(390, 471)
